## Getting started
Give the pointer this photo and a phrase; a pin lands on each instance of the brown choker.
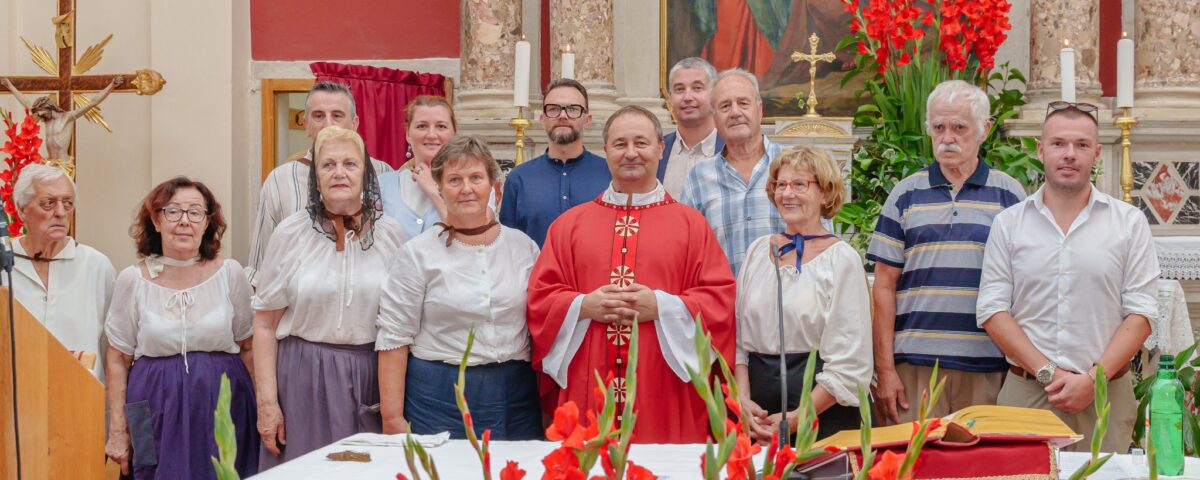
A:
(342, 223)
(463, 231)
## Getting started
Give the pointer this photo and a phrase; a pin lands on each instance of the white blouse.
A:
(330, 296)
(74, 305)
(826, 307)
(436, 294)
(147, 319)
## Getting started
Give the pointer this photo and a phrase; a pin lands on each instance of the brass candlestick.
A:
(1126, 122)
(520, 123)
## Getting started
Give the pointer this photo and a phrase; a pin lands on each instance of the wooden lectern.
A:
(61, 405)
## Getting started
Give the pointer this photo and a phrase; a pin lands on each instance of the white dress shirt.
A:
(435, 294)
(1069, 292)
(330, 296)
(147, 319)
(284, 192)
(683, 158)
(74, 305)
(675, 327)
(826, 305)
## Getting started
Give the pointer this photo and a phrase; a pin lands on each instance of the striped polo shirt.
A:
(935, 235)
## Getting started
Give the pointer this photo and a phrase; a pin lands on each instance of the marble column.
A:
(586, 25)
(1052, 22)
(490, 28)
(1167, 62)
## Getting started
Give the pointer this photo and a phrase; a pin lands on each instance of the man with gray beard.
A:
(928, 252)
(541, 189)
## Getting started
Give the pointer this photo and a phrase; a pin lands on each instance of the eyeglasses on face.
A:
(173, 214)
(551, 110)
(799, 186)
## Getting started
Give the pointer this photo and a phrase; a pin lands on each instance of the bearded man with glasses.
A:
(538, 191)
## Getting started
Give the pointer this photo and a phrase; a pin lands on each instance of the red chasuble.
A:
(665, 246)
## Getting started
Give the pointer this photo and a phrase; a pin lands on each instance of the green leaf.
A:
(224, 433)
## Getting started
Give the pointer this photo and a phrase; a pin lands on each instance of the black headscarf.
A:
(363, 222)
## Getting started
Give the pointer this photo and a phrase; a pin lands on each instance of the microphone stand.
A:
(6, 263)
(784, 431)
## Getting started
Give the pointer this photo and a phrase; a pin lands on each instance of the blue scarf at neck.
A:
(798, 245)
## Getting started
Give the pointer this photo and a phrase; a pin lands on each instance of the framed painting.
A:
(760, 37)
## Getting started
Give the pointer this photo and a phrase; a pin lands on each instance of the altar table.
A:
(457, 461)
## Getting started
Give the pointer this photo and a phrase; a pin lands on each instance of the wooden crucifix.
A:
(68, 80)
(812, 59)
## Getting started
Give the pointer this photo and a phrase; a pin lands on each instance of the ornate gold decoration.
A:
(619, 334)
(148, 82)
(619, 389)
(94, 115)
(812, 59)
(809, 127)
(1126, 122)
(621, 276)
(64, 30)
(90, 57)
(520, 123)
(67, 166)
(42, 58)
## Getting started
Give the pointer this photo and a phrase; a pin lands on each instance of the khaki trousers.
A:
(1021, 392)
(962, 390)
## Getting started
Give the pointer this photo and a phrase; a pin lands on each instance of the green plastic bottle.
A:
(1166, 417)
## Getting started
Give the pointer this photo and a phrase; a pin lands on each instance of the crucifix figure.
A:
(68, 80)
(812, 59)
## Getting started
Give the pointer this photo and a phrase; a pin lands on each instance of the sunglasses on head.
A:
(1060, 105)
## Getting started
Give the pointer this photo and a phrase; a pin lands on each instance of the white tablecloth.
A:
(457, 461)
(1178, 257)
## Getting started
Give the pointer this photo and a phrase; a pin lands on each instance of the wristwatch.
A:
(1046, 373)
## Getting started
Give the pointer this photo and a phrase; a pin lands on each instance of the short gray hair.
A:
(697, 63)
(331, 87)
(32, 175)
(950, 91)
(738, 72)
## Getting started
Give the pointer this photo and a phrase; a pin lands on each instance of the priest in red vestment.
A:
(633, 258)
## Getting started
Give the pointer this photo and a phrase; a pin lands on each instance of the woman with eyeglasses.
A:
(826, 305)
(315, 307)
(181, 316)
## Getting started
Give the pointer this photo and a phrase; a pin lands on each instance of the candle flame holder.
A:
(520, 123)
(1126, 122)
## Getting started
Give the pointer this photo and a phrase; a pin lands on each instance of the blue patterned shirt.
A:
(538, 191)
(936, 235)
(739, 212)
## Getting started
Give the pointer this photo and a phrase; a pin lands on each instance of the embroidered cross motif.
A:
(621, 276)
(619, 389)
(627, 226)
(619, 334)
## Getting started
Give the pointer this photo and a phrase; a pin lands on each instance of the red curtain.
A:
(380, 95)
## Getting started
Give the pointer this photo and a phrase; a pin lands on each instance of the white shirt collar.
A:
(67, 252)
(708, 146)
(614, 197)
(1038, 201)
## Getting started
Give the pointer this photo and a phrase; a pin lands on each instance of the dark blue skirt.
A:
(502, 397)
(170, 415)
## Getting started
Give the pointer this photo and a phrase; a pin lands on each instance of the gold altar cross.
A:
(812, 58)
(67, 76)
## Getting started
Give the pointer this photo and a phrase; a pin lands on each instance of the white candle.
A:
(1125, 72)
(568, 63)
(1066, 58)
(521, 76)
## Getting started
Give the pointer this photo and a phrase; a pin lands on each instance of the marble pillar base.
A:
(1168, 98)
(602, 101)
(1037, 99)
(485, 104)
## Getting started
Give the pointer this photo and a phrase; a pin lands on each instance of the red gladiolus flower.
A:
(566, 428)
(832, 449)
(927, 20)
(784, 457)
(512, 472)
(562, 464)
(738, 466)
(400, 476)
(637, 472)
(887, 466)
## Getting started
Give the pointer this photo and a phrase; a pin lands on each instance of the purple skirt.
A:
(180, 408)
(325, 393)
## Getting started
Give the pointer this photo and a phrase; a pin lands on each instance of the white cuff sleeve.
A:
(677, 335)
(566, 343)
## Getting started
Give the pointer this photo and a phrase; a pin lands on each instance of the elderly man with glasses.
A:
(538, 191)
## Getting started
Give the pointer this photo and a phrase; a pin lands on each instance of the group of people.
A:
(364, 282)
